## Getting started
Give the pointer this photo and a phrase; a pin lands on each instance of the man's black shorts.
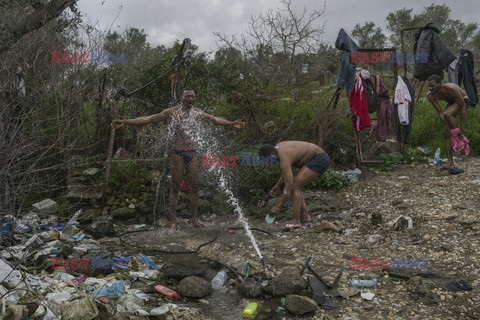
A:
(319, 163)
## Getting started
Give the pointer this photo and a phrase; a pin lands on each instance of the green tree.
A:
(369, 36)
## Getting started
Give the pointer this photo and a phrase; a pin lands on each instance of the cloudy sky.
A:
(165, 21)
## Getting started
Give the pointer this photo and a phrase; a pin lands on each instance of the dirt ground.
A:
(443, 209)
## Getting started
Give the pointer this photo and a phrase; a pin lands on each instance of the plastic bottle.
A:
(364, 283)
(250, 310)
(166, 291)
(436, 160)
(219, 280)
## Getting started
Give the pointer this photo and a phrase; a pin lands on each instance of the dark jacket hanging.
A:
(384, 112)
(427, 40)
(467, 74)
(346, 77)
(395, 119)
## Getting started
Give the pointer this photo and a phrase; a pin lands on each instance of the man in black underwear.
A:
(312, 162)
(456, 105)
(183, 119)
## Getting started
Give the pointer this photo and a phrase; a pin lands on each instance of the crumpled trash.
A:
(367, 295)
(116, 290)
(148, 262)
(54, 235)
(7, 230)
(74, 220)
(80, 309)
(58, 296)
(351, 175)
(120, 262)
(147, 274)
(79, 237)
(401, 222)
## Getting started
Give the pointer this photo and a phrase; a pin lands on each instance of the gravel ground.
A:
(445, 232)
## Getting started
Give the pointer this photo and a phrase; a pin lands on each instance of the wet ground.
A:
(443, 209)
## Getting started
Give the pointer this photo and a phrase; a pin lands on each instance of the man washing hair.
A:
(311, 160)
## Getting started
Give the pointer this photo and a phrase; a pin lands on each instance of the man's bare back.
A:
(296, 153)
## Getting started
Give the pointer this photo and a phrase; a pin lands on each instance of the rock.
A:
(376, 218)
(348, 292)
(124, 213)
(374, 238)
(47, 206)
(88, 216)
(122, 153)
(325, 226)
(102, 227)
(299, 305)
(194, 287)
(288, 282)
(180, 271)
(250, 288)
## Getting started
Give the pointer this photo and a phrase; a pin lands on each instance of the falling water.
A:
(199, 133)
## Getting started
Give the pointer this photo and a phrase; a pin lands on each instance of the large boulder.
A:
(194, 287)
(299, 305)
(290, 281)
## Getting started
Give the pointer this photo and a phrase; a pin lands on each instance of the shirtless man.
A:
(312, 162)
(183, 120)
(454, 96)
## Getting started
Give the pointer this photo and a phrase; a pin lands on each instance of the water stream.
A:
(206, 142)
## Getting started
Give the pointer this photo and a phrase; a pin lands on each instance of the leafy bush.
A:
(127, 176)
(329, 180)
(389, 160)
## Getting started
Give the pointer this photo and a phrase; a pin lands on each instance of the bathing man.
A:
(183, 120)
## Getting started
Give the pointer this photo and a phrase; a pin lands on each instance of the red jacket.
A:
(358, 105)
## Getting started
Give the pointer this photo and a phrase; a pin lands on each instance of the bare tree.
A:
(279, 42)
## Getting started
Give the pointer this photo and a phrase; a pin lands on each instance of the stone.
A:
(325, 226)
(47, 206)
(250, 288)
(124, 213)
(288, 282)
(299, 305)
(194, 287)
(102, 227)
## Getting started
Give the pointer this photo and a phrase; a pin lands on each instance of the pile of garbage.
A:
(51, 270)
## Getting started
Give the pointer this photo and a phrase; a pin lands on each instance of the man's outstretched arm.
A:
(224, 122)
(141, 120)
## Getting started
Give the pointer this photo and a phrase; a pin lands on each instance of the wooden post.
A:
(109, 151)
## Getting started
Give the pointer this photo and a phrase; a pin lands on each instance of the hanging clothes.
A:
(407, 129)
(384, 112)
(402, 99)
(453, 69)
(427, 40)
(466, 72)
(346, 76)
(359, 106)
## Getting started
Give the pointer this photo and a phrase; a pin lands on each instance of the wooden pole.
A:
(109, 151)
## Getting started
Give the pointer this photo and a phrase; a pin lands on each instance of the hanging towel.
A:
(402, 99)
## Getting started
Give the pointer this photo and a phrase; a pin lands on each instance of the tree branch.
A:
(43, 14)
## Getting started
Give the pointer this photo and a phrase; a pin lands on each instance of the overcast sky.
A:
(165, 21)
